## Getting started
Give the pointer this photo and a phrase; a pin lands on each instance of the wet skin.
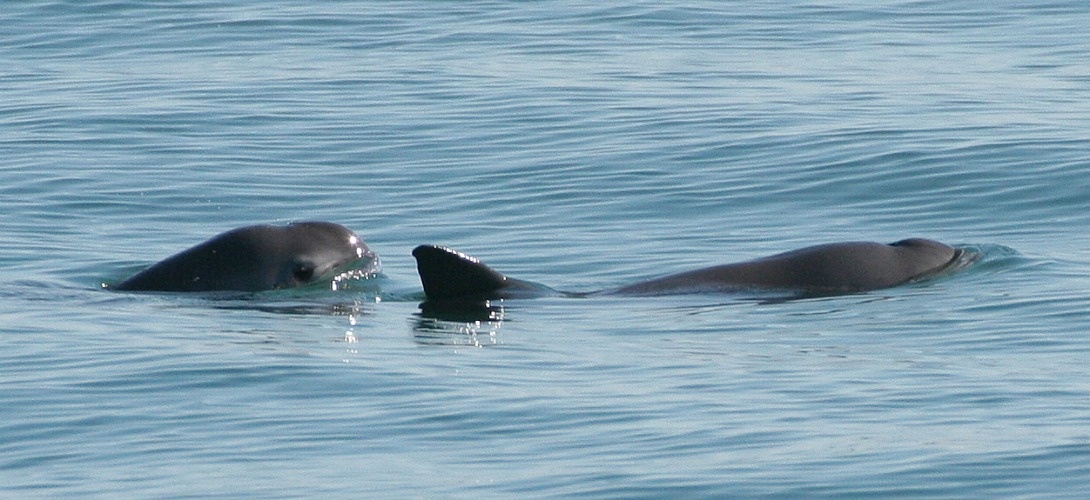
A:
(256, 258)
(822, 269)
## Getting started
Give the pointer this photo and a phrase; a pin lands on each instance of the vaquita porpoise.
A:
(256, 258)
(829, 269)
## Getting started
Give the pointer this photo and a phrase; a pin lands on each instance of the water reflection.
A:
(458, 323)
(300, 308)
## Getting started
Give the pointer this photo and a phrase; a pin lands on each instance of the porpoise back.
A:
(832, 268)
(448, 274)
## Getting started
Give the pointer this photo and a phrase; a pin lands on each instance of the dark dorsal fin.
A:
(448, 274)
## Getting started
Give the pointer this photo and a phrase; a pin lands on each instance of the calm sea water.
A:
(577, 144)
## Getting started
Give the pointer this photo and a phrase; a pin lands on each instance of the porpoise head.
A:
(922, 258)
(256, 258)
(314, 250)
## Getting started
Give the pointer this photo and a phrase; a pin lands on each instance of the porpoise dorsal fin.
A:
(449, 274)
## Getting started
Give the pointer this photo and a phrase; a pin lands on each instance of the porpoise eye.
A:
(303, 273)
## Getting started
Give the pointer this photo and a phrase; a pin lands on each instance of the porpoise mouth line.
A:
(353, 275)
(960, 260)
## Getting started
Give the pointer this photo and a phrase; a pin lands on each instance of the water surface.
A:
(575, 144)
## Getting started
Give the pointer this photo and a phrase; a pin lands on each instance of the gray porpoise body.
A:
(822, 269)
(256, 258)
(835, 267)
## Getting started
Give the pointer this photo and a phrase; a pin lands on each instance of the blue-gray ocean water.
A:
(578, 144)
